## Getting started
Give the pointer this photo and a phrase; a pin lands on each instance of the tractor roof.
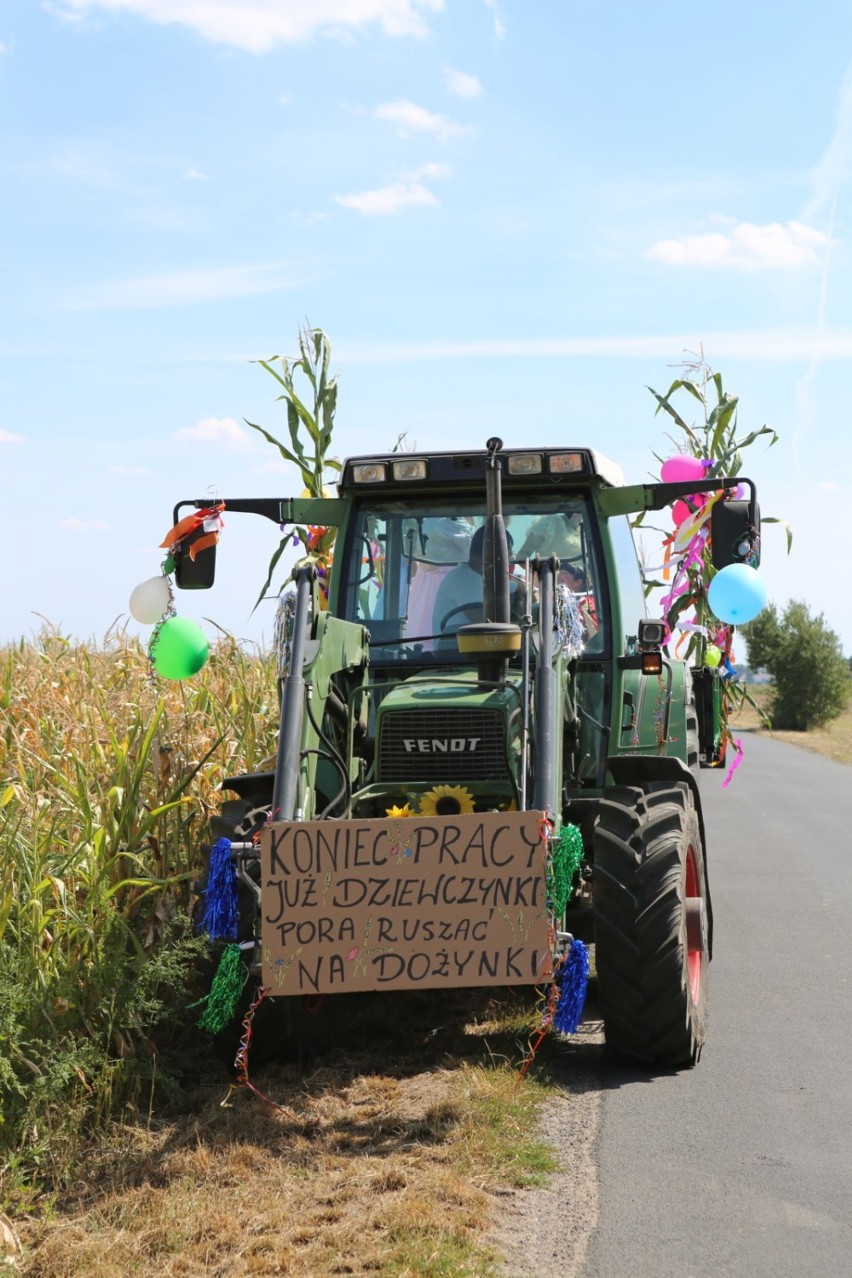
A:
(383, 470)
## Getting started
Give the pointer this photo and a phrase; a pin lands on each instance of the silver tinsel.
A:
(570, 633)
(282, 635)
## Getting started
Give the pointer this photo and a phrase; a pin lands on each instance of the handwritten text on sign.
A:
(423, 902)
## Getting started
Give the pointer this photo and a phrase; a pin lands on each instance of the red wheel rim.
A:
(694, 952)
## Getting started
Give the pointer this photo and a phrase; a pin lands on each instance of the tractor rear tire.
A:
(650, 907)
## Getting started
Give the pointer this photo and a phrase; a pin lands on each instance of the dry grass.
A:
(834, 741)
(386, 1168)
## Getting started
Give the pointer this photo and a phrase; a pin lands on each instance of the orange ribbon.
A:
(191, 523)
(667, 561)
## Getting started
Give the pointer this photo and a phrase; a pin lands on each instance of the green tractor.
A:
(476, 664)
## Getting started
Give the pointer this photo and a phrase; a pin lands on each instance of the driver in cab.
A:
(459, 598)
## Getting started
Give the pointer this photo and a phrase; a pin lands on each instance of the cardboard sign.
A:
(404, 903)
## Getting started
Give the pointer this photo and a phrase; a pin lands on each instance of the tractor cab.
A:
(412, 571)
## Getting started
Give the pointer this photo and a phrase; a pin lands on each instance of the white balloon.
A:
(150, 600)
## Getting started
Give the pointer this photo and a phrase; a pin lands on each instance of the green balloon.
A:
(179, 648)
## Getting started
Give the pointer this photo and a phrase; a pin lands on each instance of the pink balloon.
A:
(680, 512)
(682, 467)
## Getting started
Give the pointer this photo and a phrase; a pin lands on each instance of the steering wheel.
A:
(475, 606)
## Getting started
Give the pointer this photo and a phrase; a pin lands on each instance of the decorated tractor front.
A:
(487, 752)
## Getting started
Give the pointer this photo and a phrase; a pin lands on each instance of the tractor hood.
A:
(448, 728)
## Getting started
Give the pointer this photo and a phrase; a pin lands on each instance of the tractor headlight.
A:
(369, 473)
(524, 464)
(410, 468)
(565, 463)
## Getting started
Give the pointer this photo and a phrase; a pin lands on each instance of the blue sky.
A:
(510, 218)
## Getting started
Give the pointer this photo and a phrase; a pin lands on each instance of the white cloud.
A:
(216, 430)
(462, 85)
(408, 190)
(828, 487)
(4, 48)
(410, 118)
(6, 437)
(431, 170)
(62, 12)
(769, 345)
(745, 247)
(384, 200)
(258, 25)
(499, 24)
(832, 169)
(182, 288)
(83, 525)
(309, 219)
(196, 175)
(130, 470)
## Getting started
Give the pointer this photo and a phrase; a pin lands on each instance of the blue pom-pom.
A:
(220, 906)
(571, 980)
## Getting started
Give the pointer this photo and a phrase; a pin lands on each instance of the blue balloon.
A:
(737, 594)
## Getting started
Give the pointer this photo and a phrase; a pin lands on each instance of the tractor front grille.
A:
(443, 745)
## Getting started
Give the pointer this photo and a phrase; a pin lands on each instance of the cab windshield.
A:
(414, 579)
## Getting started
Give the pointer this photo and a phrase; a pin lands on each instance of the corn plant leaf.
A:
(663, 403)
(298, 412)
(756, 434)
(273, 564)
(720, 420)
(285, 452)
(681, 383)
(771, 519)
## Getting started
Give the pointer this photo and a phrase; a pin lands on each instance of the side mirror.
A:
(735, 533)
(198, 573)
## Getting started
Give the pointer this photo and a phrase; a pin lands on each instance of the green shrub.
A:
(812, 683)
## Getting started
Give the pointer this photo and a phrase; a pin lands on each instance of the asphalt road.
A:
(743, 1166)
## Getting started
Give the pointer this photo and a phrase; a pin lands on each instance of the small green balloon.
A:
(179, 648)
(712, 656)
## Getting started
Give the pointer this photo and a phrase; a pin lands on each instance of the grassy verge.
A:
(386, 1165)
(834, 741)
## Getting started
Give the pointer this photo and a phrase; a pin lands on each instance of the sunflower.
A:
(396, 811)
(446, 800)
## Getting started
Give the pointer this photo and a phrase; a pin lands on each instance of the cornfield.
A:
(107, 781)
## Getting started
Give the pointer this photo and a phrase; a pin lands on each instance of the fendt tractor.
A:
(472, 674)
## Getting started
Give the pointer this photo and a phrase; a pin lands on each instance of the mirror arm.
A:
(634, 498)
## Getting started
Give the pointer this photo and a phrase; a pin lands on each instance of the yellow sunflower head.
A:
(397, 811)
(446, 800)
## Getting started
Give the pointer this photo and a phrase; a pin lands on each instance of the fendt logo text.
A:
(441, 745)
